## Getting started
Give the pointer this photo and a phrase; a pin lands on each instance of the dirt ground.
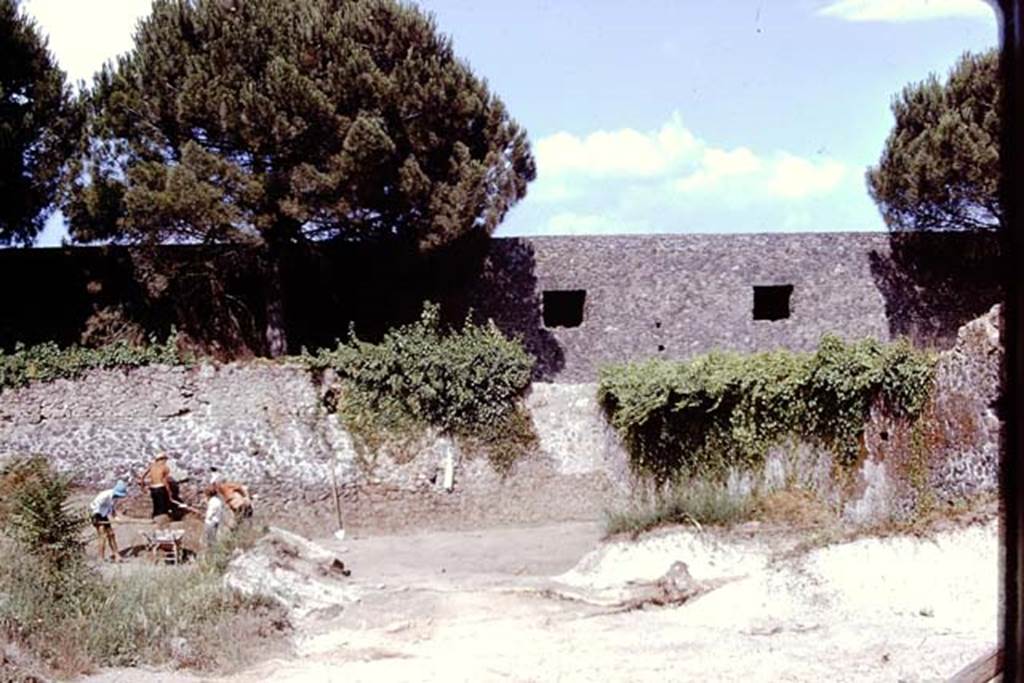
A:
(546, 604)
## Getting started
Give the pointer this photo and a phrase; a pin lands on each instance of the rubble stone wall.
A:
(952, 452)
(264, 424)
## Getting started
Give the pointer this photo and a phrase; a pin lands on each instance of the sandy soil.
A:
(545, 604)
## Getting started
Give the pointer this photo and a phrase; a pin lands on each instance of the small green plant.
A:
(725, 410)
(466, 382)
(233, 541)
(47, 361)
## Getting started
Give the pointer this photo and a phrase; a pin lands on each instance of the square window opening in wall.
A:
(563, 307)
(772, 302)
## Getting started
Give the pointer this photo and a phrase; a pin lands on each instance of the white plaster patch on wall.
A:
(573, 432)
(873, 505)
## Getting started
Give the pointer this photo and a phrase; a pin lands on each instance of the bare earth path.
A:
(520, 605)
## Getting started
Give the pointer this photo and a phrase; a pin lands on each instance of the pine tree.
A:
(940, 166)
(35, 126)
(278, 122)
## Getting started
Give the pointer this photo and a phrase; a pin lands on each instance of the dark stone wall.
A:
(674, 296)
(668, 296)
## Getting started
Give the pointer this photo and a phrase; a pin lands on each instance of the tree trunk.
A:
(273, 294)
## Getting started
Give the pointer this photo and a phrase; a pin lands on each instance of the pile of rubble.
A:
(304, 577)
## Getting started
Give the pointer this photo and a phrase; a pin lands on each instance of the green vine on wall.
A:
(47, 361)
(720, 410)
(467, 383)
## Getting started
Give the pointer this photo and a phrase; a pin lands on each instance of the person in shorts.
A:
(103, 510)
(157, 479)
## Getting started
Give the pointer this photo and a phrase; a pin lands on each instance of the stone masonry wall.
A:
(952, 452)
(262, 422)
(675, 296)
(668, 296)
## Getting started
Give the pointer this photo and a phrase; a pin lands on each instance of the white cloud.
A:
(718, 165)
(669, 179)
(83, 34)
(906, 10)
(795, 178)
(619, 153)
(671, 163)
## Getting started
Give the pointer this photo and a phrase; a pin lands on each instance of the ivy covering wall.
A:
(716, 411)
(465, 382)
(47, 361)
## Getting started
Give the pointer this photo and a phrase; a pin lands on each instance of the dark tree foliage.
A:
(35, 120)
(940, 166)
(273, 123)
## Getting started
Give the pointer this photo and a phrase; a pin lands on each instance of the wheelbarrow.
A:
(165, 545)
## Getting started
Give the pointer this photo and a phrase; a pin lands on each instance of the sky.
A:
(664, 116)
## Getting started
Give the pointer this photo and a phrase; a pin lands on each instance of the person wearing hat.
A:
(102, 508)
(157, 478)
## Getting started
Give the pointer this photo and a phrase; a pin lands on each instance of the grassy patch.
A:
(795, 508)
(710, 503)
(964, 513)
(142, 614)
(683, 502)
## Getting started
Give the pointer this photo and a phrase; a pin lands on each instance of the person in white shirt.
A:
(214, 516)
(102, 509)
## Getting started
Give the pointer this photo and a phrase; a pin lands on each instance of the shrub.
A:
(36, 513)
(464, 382)
(47, 361)
(723, 410)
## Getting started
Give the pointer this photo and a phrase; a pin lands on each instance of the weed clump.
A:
(694, 501)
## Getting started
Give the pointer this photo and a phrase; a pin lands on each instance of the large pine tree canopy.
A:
(35, 125)
(940, 166)
(275, 121)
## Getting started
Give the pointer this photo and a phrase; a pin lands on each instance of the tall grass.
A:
(685, 501)
(135, 614)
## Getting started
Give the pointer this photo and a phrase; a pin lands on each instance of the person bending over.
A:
(236, 497)
(103, 510)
